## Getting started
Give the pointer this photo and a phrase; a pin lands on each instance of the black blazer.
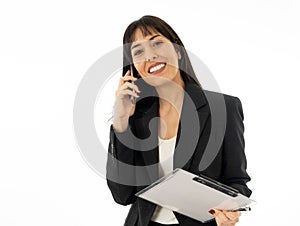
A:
(228, 166)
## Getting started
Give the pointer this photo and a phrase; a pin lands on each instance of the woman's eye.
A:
(137, 52)
(157, 43)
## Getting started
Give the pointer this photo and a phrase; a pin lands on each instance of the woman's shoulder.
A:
(217, 101)
(226, 103)
(195, 89)
(228, 98)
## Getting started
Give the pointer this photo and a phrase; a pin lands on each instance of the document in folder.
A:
(193, 195)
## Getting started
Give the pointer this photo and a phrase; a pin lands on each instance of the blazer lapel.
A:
(193, 118)
(148, 157)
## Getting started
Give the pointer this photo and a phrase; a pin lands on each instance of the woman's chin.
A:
(156, 80)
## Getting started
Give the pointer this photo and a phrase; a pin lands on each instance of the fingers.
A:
(232, 215)
(126, 78)
(221, 218)
(127, 87)
(125, 92)
(225, 218)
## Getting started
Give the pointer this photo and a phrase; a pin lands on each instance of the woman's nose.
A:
(150, 55)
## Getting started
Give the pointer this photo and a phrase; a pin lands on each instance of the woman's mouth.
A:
(157, 68)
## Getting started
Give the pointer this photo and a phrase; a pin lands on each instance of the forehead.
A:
(140, 35)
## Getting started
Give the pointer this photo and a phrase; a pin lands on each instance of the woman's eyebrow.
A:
(138, 44)
(153, 37)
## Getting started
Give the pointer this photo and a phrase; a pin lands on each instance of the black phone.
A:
(132, 98)
(133, 71)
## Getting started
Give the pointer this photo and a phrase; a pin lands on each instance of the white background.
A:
(251, 47)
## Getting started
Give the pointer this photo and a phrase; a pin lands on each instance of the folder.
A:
(193, 195)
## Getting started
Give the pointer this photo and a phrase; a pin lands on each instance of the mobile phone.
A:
(132, 98)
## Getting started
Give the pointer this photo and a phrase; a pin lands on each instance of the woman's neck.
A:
(171, 96)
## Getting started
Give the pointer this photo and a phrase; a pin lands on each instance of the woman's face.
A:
(154, 57)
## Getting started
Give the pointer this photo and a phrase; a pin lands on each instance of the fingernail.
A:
(212, 212)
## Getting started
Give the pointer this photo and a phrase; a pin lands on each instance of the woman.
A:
(162, 84)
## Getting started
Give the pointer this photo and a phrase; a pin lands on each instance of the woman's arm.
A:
(120, 172)
(234, 159)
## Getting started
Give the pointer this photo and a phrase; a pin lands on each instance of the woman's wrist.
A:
(120, 124)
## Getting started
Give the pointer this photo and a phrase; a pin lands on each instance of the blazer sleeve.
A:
(120, 173)
(234, 159)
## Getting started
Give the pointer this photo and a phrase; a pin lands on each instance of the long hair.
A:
(149, 24)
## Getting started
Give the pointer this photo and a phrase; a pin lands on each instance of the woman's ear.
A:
(179, 55)
(177, 49)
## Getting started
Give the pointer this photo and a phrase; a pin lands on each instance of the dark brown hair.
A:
(148, 24)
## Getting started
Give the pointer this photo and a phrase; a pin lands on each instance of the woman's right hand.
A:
(124, 107)
(225, 218)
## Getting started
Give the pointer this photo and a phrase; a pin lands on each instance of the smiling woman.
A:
(163, 81)
(144, 39)
(155, 55)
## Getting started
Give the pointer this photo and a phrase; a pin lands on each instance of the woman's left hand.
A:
(225, 218)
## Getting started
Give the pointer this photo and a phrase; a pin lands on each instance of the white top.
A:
(166, 152)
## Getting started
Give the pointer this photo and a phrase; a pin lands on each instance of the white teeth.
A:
(156, 68)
